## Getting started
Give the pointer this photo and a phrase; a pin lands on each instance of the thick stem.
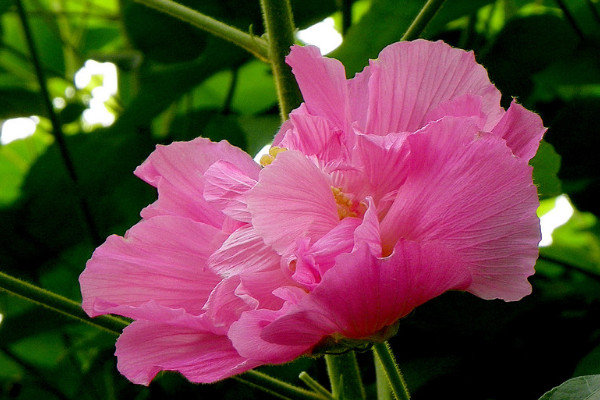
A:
(279, 26)
(425, 15)
(383, 386)
(56, 125)
(59, 303)
(384, 354)
(251, 43)
(344, 376)
(276, 387)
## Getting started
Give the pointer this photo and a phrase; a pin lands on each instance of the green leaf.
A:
(590, 364)
(580, 388)
(576, 243)
(255, 89)
(384, 23)
(16, 159)
(46, 35)
(546, 164)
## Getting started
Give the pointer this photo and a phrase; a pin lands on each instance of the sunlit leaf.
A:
(546, 164)
(583, 387)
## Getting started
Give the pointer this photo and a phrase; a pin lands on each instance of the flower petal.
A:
(312, 262)
(467, 191)
(162, 259)
(322, 82)
(409, 79)
(382, 159)
(224, 188)
(467, 105)
(177, 171)
(292, 199)
(245, 334)
(364, 294)
(146, 348)
(244, 251)
(522, 130)
(312, 135)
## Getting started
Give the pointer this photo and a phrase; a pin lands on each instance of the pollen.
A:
(346, 207)
(268, 158)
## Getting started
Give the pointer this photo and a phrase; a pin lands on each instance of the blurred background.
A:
(122, 78)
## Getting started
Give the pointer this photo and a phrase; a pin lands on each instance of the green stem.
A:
(59, 303)
(314, 385)
(382, 384)
(251, 43)
(276, 387)
(384, 354)
(425, 15)
(55, 122)
(344, 376)
(279, 26)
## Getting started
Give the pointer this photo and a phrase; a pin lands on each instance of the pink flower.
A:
(381, 192)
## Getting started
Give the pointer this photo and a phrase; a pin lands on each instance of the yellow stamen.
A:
(267, 159)
(345, 205)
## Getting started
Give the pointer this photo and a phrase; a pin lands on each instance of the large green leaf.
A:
(580, 388)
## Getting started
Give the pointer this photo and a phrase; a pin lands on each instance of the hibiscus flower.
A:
(380, 193)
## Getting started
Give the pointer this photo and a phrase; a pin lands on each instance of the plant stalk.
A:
(276, 387)
(344, 376)
(59, 303)
(279, 26)
(253, 44)
(423, 18)
(384, 354)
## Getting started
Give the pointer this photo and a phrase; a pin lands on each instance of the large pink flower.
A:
(381, 192)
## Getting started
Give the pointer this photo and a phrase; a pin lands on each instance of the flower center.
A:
(267, 159)
(346, 206)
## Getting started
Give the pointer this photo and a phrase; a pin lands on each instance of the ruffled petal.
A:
(409, 79)
(311, 262)
(245, 334)
(243, 252)
(162, 259)
(224, 188)
(467, 105)
(225, 305)
(263, 285)
(177, 170)
(146, 348)
(313, 135)
(292, 199)
(322, 82)
(467, 191)
(363, 294)
(368, 231)
(522, 130)
(382, 159)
